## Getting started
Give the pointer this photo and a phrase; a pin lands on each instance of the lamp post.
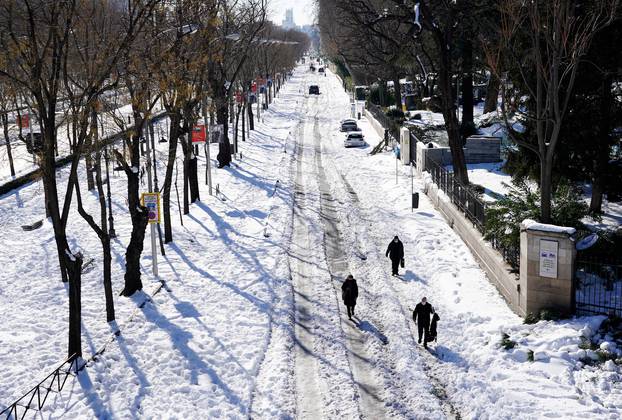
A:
(111, 231)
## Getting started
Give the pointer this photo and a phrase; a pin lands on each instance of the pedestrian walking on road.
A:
(395, 252)
(349, 293)
(423, 312)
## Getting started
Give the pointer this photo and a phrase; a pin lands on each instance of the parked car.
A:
(34, 144)
(314, 90)
(321, 70)
(349, 125)
(354, 139)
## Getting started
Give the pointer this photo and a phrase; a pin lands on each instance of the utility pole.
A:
(155, 179)
(154, 253)
(208, 159)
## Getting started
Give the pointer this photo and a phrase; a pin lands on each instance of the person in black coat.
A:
(423, 312)
(395, 252)
(349, 293)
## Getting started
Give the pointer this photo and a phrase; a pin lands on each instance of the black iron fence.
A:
(387, 122)
(35, 398)
(470, 204)
(598, 286)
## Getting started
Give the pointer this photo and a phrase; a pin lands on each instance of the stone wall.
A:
(378, 128)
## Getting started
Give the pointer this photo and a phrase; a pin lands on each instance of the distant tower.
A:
(289, 23)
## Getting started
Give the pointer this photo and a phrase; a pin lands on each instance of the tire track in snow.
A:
(308, 396)
(272, 378)
(369, 390)
(324, 384)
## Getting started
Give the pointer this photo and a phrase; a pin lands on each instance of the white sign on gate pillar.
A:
(548, 258)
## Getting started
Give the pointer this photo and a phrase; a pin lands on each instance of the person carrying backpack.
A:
(395, 252)
(349, 294)
(423, 311)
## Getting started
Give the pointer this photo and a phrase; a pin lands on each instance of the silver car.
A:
(354, 139)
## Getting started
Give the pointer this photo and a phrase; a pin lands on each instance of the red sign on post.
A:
(24, 121)
(198, 134)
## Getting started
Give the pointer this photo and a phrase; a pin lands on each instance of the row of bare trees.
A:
(535, 46)
(64, 60)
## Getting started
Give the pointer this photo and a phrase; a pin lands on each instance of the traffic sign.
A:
(152, 202)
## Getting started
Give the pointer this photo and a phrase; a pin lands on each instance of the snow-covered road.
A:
(250, 323)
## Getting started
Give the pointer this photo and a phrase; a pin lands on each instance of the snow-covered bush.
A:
(504, 217)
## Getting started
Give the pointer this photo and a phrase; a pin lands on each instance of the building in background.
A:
(288, 22)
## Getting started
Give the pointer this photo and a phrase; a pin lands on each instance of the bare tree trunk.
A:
(237, 124)
(244, 122)
(185, 148)
(224, 148)
(88, 160)
(546, 188)
(138, 214)
(191, 173)
(168, 178)
(251, 121)
(7, 140)
(468, 127)
(492, 93)
(70, 264)
(102, 234)
(105, 240)
(451, 121)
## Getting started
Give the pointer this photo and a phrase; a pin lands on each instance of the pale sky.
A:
(304, 11)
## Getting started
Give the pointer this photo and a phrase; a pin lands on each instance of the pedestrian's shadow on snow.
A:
(447, 355)
(410, 276)
(366, 326)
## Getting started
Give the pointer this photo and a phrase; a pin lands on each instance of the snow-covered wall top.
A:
(543, 227)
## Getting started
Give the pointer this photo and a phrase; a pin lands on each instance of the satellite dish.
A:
(587, 242)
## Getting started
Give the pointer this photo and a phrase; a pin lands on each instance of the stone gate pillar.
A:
(547, 255)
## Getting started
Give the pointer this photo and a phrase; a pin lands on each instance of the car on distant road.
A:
(349, 125)
(34, 143)
(321, 70)
(314, 90)
(354, 139)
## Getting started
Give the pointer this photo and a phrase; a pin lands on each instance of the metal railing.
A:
(37, 396)
(387, 122)
(469, 203)
(598, 286)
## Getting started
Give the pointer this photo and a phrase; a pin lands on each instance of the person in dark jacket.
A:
(423, 312)
(349, 293)
(395, 252)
